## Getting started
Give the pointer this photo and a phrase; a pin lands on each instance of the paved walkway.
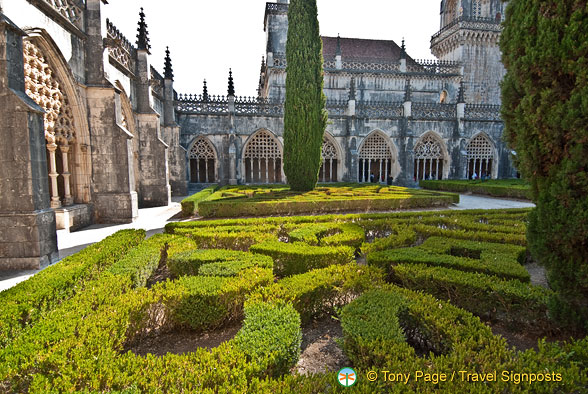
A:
(153, 220)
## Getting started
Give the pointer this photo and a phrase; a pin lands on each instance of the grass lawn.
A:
(267, 200)
(512, 188)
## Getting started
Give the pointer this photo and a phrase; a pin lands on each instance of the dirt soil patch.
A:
(181, 342)
(524, 339)
(320, 352)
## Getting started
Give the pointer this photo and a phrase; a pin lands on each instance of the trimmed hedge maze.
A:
(507, 188)
(268, 200)
(418, 304)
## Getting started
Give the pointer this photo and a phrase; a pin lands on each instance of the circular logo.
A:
(347, 377)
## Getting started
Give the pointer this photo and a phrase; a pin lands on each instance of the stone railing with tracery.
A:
(469, 23)
(197, 104)
(482, 112)
(69, 11)
(258, 106)
(433, 111)
(434, 67)
(379, 109)
(120, 50)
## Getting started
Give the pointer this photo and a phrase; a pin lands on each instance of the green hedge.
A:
(323, 234)
(494, 265)
(297, 258)
(212, 238)
(271, 337)
(487, 296)
(321, 291)
(26, 303)
(190, 204)
(510, 188)
(228, 262)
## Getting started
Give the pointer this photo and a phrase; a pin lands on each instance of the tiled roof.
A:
(362, 49)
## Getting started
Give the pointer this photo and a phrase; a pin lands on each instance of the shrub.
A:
(190, 204)
(26, 303)
(320, 291)
(328, 234)
(510, 188)
(297, 258)
(271, 336)
(192, 262)
(218, 239)
(483, 295)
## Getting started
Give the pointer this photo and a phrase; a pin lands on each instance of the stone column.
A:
(28, 237)
(67, 198)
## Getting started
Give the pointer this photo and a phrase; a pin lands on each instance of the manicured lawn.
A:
(510, 188)
(267, 200)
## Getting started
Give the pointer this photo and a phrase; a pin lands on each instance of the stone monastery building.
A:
(91, 131)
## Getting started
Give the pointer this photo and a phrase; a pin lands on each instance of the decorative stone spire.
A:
(262, 63)
(352, 89)
(231, 85)
(407, 92)
(460, 93)
(205, 92)
(168, 72)
(338, 49)
(143, 34)
(403, 50)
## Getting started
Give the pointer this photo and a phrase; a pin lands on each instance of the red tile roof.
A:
(358, 49)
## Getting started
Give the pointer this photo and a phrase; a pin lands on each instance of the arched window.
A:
(328, 171)
(202, 162)
(480, 156)
(477, 8)
(45, 89)
(375, 159)
(263, 159)
(428, 159)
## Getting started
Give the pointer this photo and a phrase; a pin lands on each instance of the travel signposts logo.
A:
(347, 377)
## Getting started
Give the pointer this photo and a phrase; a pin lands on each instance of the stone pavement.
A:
(153, 221)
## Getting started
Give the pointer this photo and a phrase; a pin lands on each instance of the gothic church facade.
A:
(91, 131)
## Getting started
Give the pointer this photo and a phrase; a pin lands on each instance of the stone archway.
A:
(376, 158)
(430, 158)
(329, 171)
(49, 84)
(481, 157)
(262, 159)
(203, 161)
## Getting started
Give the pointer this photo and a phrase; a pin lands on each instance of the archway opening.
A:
(328, 171)
(262, 159)
(480, 158)
(428, 159)
(375, 160)
(202, 162)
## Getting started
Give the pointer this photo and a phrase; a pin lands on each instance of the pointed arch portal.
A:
(262, 159)
(202, 161)
(375, 158)
(428, 158)
(480, 157)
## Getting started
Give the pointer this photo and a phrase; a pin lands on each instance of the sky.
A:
(206, 38)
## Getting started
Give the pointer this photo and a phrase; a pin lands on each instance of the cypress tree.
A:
(545, 109)
(305, 117)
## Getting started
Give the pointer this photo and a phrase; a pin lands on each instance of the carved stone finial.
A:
(352, 89)
(461, 93)
(231, 84)
(403, 50)
(407, 92)
(205, 92)
(168, 72)
(142, 33)
(338, 50)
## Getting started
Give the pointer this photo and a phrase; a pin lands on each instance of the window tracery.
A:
(328, 170)
(202, 161)
(375, 159)
(428, 159)
(480, 157)
(263, 159)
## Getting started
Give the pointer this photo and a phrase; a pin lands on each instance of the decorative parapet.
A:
(483, 112)
(195, 104)
(434, 111)
(434, 67)
(120, 50)
(69, 13)
(258, 106)
(468, 23)
(337, 107)
(379, 109)
(429, 67)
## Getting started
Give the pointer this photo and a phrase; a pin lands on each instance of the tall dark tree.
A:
(305, 116)
(545, 108)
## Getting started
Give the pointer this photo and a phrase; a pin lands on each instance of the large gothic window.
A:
(480, 156)
(328, 171)
(202, 162)
(428, 159)
(45, 89)
(262, 159)
(375, 159)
